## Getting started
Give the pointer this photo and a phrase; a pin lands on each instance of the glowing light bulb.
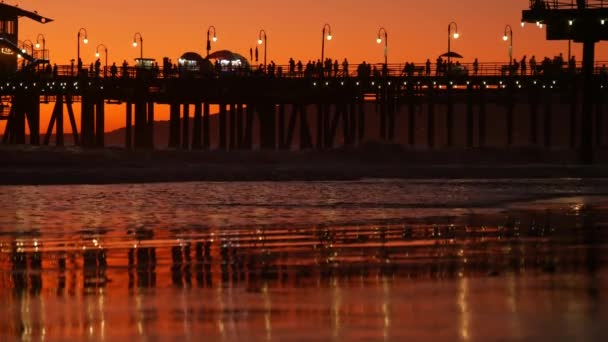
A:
(214, 38)
(505, 37)
(134, 44)
(456, 35)
(329, 37)
(85, 40)
(260, 41)
(379, 40)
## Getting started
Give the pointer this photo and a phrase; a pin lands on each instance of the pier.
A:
(287, 109)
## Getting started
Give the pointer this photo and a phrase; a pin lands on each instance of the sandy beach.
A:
(73, 165)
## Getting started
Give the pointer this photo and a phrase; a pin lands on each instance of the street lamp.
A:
(38, 38)
(379, 40)
(265, 43)
(141, 44)
(456, 35)
(85, 40)
(329, 37)
(214, 38)
(105, 52)
(508, 35)
(24, 47)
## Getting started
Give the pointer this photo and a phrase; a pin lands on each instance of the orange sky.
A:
(416, 29)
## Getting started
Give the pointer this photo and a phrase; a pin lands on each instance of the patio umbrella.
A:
(451, 54)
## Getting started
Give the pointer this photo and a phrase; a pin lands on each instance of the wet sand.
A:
(47, 165)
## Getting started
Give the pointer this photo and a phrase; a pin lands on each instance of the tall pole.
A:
(329, 36)
(85, 40)
(209, 41)
(450, 36)
(265, 43)
(379, 40)
(508, 35)
(40, 35)
(141, 44)
(106, 56)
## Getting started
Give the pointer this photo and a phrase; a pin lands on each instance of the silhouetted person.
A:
(523, 65)
(533, 65)
(428, 67)
(125, 71)
(515, 67)
(97, 67)
(475, 67)
(292, 66)
(55, 71)
(438, 66)
(300, 67)
(572, 64)
(113, 70)
(581, 4)
(345, 67)
(336, 68)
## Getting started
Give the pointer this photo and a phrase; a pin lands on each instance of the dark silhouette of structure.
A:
(9, 33)
(583, 22)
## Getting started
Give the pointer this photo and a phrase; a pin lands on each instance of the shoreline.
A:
(27, 165)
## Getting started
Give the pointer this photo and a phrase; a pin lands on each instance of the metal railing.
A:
(572, 4)
(489, 69)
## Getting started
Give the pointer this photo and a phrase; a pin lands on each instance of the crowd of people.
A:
(331, 68)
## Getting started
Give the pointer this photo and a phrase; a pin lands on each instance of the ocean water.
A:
(469, 260)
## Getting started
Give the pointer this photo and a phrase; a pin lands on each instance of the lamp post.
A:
(85, 40)
(39, 37)
(105, 52)
(508, 35)
(209, 41)
(24, 47)
(379, 40)
(141, 44)
(329, 37)
(456, 35)
(265, 42)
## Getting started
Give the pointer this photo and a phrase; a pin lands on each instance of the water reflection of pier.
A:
(256, 275)
(523, 242)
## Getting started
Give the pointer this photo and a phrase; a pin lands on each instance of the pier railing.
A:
(566, 4)
(490, 69)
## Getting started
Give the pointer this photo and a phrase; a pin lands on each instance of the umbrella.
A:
(227, 55)
(451, 54)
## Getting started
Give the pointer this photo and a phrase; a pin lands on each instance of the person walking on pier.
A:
(125, 71)
(475, 66)
(97, 67)
(345, 67)
(300, 67)
(336, 68)
(533, 65)
(572, 65)
(292, 66)
(438, 66)
(428, 67)
(523, 66)
(113, 70)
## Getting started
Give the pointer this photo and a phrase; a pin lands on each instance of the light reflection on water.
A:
(371, 260)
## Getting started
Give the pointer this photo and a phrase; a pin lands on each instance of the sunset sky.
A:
(417, 30)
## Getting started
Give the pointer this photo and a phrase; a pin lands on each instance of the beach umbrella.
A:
(451, 54)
